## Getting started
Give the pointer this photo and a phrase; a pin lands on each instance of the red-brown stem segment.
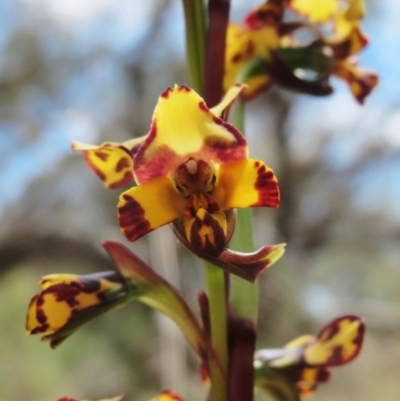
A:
(218, 11)
(242, 342)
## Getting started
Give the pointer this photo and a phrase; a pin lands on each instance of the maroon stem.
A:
(242, 342)
(218, 12)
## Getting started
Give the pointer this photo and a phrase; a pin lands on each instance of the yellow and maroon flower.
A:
(266, 49)
(193, 166)
(68, 301)
(306, 361)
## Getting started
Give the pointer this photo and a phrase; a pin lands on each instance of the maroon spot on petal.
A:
(166, 93)
(122, 164)
(94, 168)
(126, 179)
(40, 329)
(257, 164)
(337, 356)
(184, 88)
(323, 375)
(64, 293)
(267, 187)
(203, 106)
(204, 245)
(132, 219)
(360, 335)
(41, 316)
(102, 155)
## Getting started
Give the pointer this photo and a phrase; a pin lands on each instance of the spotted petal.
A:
(230, 96)
(242, 45)
(148, 206)
(112, 162)
(246, 183)
(182, 127)
(68, 301)
(338, 343)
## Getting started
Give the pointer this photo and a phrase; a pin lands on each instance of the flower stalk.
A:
(195, 20)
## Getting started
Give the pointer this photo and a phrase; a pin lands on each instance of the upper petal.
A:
(246, 183)
(316, 10)
(183, 126)
(112, 162)
(148, 206)
(227, 101)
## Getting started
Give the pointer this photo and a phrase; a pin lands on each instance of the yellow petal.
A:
(227, 101)
(356, 10)
(111, 161)
(245, 183)
(338, 343)
(182, 127)
(148, 206)
(316, 10)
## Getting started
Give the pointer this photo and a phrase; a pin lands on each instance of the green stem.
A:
(244, 295)
(195, 20)
(215, 281)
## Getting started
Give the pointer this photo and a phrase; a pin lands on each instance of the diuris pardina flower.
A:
(286, 58)
(193, 169)
(68, 301)
(306, 361)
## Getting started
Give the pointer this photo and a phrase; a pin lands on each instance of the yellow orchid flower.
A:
(193, 166)
(306, 361)
(192, 169)
(286, 60)
(67, 301)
